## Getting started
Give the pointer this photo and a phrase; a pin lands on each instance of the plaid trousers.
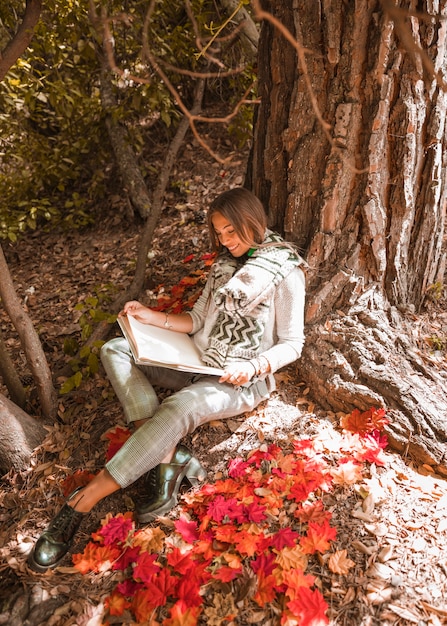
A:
(196, 399)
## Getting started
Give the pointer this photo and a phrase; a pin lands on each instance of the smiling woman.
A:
(248, 322)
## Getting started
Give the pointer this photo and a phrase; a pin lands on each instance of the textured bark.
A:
(125, 156)
(364, 198)
(19, 435)
(30, 342)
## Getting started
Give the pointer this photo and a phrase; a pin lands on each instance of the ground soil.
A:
(398, 544)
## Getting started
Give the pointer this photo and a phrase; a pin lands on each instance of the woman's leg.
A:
(179, 414)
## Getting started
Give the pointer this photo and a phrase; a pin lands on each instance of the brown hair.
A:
(245, 213)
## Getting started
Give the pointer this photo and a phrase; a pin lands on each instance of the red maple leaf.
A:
(116, 436)
(218, 508)
(264, 563)
(161, 587)
(188, 258)
(237, 467)
(188, 590)
(310, 607)
(181, 562)
(284, 537)
(130, 555)
(116, 530)
(255, 512)
(225, 573)
(146, 567)
(79, 479)
(187, 529)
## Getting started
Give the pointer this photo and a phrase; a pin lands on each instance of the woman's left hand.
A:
(238, 373)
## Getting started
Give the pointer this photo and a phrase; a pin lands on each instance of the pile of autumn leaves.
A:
(255, 528)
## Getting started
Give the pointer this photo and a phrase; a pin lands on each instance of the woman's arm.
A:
(180, 322)
(289, 307)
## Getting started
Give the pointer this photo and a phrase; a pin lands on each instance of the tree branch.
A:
(22, 38)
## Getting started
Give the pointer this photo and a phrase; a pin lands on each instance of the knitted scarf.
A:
(243, 297)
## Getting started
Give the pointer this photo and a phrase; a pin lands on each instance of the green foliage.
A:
(87, 364)
(56, 163)
(435, 291)
(437, 343)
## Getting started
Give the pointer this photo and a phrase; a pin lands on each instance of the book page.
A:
(161, 346)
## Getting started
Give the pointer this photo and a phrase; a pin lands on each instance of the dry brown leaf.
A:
(405, 613)
(340, 563)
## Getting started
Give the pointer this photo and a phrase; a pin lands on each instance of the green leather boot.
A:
(54, 543)
(164, 480)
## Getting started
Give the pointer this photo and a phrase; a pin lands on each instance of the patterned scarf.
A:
(243, 297)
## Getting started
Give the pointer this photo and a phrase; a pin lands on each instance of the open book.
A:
(151, 345)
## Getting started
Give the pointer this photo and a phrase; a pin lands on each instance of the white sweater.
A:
(283, 337)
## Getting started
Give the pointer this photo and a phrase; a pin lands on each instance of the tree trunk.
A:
(10, 376)
(362, 191)
(30, 342)
(19, 435)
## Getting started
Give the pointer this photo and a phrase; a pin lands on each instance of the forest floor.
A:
(391, 519)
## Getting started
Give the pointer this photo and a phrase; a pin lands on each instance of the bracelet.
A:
(259, 366)
(167, 324)
(254, 366)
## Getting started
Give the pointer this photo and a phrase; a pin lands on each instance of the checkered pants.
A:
(196, 399)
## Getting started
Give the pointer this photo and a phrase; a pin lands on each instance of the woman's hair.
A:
(245, 213)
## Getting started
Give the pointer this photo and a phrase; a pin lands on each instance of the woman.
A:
(248, 321)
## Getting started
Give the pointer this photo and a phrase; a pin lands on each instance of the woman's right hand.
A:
(137, 310)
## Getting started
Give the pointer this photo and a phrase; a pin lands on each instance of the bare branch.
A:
(403, 28)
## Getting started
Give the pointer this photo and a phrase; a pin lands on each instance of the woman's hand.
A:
(137, 310)
(238, 373)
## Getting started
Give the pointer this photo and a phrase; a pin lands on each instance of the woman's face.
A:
(227, 235)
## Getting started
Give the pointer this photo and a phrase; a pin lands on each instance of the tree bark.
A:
(10, 376)
(30, 342)
(20, 434)
(362, 191)
(126, 160)
(22, 38)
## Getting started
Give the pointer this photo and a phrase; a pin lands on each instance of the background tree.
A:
(70, 104)
(350, 157)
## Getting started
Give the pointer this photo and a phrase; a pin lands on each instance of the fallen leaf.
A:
(339, 563)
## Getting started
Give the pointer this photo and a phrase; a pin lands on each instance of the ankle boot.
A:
(164, 482)
(54, 543)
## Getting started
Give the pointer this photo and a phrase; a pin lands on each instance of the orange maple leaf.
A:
(318, 538)
(295, 580)
(116, 603)
(182, 615)
(366, 422)
(265, 591)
